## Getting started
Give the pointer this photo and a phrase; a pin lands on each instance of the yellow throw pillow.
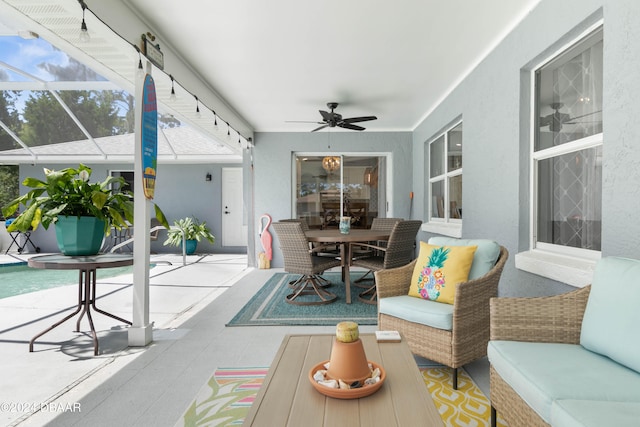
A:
(439, 269)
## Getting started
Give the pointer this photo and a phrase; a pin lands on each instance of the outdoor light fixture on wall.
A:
(331, 163)
(207, 177)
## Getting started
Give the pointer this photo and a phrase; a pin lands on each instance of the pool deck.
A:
(62, 368)
(63, 384)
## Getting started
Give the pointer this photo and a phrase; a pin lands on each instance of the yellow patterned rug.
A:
(227, 396)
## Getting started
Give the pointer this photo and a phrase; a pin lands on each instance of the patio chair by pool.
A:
(20, 239)
(299, 259)
(155, 228)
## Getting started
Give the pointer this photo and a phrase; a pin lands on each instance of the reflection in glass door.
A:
(328, 187)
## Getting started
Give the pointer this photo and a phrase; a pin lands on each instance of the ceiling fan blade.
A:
(563, 117)
(350, 126)
(321, 127)
(359, 119)
(325, 115)
(303, 121)
(583, 122)
(584, 115)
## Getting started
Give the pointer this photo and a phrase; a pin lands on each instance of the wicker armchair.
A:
(399, 250)
(554, 319)
(468, 338)
(299, 259)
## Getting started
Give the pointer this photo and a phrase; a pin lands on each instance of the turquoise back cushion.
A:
(484, 259)
(611, 321)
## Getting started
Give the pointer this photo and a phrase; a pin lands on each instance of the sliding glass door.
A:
(331, 186)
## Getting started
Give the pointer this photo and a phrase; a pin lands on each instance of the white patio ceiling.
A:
(261, 64)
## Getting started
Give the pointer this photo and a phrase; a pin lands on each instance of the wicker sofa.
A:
(571, 359)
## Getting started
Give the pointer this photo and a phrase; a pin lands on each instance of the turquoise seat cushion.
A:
(544, 372)
(590, 413)
(483, 260)
(611, 321)
(417, 310)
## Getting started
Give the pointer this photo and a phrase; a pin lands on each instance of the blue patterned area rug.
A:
(268, 306)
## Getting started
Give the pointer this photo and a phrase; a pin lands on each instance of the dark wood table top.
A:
(354, 235)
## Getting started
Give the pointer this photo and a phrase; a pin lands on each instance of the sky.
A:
(40, 59)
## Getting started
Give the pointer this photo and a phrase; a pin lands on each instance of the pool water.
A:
(22, 279)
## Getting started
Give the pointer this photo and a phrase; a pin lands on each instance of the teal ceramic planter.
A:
(190, 246)
(79, 235)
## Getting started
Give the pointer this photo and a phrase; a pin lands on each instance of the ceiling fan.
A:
(332, 119)
(556, 119)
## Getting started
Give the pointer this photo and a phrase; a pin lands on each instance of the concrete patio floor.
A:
(62, 384)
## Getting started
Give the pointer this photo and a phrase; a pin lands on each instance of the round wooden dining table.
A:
(354, 236)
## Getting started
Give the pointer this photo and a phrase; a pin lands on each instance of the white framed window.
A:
(445, 182)
(566, 163)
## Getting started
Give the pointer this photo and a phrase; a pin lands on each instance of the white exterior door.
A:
(234, 233)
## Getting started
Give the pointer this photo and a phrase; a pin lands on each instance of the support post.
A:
(141, 331)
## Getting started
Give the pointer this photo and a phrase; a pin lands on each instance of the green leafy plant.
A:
(68, 192)
(192, 228)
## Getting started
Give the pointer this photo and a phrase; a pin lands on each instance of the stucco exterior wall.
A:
(181, 190)
(495, 105)
(272, 177)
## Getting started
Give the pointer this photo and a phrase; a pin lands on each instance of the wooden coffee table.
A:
(287, 398)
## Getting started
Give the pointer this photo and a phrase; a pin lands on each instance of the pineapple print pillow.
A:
(439, 269)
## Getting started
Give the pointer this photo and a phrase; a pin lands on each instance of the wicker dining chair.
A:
(299, 259)
(399, 250)
(305, 227)
(378, 224)
(302, 221)
(469, 335)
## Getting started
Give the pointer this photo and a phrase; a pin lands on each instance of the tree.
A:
(8, 185)
(9, 175)
(46, 121)
(8, 116)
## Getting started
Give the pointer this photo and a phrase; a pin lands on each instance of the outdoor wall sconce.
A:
(207, 177)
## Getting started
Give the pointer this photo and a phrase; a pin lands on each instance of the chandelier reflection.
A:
(331, 163)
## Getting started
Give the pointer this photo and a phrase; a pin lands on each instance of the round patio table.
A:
(87, 266)
(354, 235)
